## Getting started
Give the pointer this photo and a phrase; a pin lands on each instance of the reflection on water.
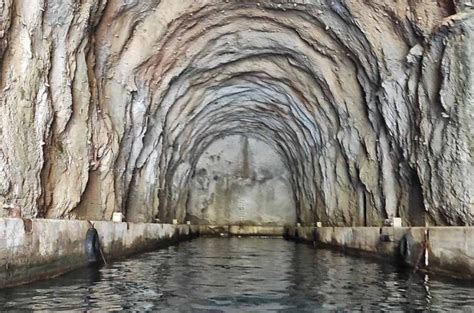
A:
(234, 275)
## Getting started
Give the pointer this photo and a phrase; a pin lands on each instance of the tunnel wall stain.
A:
(240, 180)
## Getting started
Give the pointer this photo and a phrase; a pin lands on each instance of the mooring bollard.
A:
(117, 217)
(397, 222)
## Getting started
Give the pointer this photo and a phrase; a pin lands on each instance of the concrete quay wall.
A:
(244, 230)
(41, 248)
(450, 250)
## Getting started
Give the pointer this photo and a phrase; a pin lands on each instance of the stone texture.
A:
(108, 105)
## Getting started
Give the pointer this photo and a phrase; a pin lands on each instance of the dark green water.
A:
(235, 275)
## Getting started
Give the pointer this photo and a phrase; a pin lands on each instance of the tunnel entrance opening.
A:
(239, 180)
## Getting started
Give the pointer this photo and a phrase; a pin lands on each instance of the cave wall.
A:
(240, 181)
(108, 105)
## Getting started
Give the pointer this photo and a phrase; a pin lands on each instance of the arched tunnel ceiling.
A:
(369, 105)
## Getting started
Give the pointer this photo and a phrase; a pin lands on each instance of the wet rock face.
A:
(109, 105)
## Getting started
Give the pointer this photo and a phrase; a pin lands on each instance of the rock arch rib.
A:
(365, 104)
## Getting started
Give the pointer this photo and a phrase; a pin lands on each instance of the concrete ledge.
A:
(450, 249)
(242, 230)
(270, 231)
(40, 248)
(37, 249)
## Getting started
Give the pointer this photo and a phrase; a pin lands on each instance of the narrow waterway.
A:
(235, 275)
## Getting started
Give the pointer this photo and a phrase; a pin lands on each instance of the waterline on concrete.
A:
(40, 248)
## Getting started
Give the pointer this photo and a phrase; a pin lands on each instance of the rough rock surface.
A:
(108, 105)
(240, 180)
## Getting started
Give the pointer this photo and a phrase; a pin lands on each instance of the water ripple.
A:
(235, 275)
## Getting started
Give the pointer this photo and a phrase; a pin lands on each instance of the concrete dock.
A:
(41, 248)
(445, 250)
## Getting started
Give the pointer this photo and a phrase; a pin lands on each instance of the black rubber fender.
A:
(315, 235)
(407, 244)
(92, 246)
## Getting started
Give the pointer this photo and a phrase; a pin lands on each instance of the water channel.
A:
(235, 275)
